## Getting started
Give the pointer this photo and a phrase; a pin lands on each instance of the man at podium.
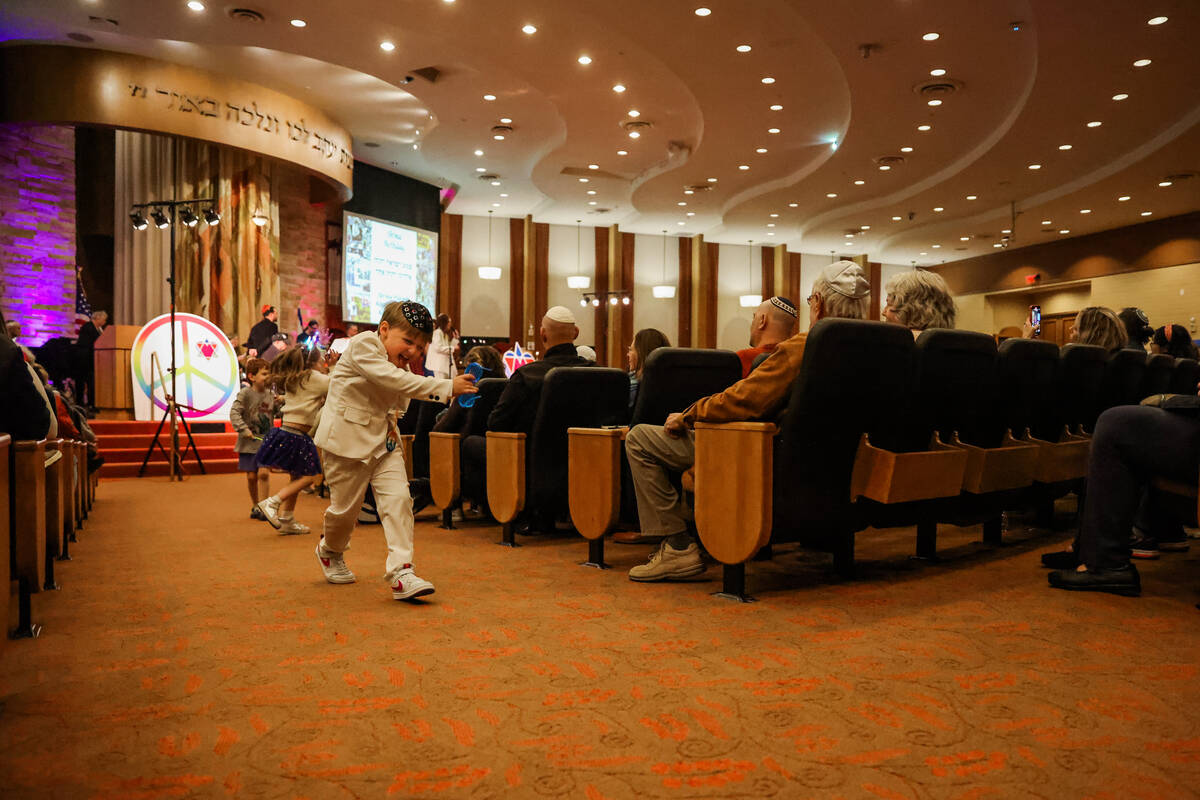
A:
(85, 365)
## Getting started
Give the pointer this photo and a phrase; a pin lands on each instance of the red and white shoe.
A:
(333, 565)
(407, 586)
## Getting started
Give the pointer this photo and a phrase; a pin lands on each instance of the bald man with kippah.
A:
(774, 321)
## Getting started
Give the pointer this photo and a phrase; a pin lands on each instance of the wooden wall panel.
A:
(709, 287)
(450, 267)
(541, 268)
(768, 271)
(601, 283)
(875, 277)
(684, 292)
(795, 291)
(516, 280)
(626, 312)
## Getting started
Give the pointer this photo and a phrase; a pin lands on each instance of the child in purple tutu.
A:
(290, 447)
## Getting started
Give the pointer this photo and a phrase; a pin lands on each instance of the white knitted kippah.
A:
(561, 314)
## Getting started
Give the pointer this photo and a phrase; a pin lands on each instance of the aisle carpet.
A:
(195, 653)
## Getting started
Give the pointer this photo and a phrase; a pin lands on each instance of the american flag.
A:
(83, 309)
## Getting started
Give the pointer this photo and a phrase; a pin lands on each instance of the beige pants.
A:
(651, 453)
(347, 479)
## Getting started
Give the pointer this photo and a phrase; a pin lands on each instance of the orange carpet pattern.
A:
(195, 653)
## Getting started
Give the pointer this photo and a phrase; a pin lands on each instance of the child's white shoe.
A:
(333, 565)
(407, 586)
(269, 508)
(289, 527)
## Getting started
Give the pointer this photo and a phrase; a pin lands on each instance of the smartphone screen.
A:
(1035, 319)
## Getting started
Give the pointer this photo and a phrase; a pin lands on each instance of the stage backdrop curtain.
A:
(224, 272)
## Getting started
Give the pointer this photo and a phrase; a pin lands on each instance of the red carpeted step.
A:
(142, 440)
(135, 454)
(130, 427)
(156, 468)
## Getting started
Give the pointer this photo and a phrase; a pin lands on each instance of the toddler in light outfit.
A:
(369, 388)
(251, 415)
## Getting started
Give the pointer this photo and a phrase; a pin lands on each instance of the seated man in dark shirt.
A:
(263, 332)
(517, 407)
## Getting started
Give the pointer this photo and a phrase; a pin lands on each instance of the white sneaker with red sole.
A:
(407, 586)
(333, 565)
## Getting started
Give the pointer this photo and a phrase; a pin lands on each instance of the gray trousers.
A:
(652, 453)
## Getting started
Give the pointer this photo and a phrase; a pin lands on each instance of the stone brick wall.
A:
(37, 230)
(301, 251)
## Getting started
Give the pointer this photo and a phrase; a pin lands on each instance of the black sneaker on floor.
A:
(1144, 547)
(1062, 559)
(256, 514)
(1124, 581)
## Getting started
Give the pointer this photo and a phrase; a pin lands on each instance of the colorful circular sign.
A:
(206, 369)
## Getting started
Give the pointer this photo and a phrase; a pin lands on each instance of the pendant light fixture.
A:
(664, 289)
(578, 280)
(490, 273)
(750, 300)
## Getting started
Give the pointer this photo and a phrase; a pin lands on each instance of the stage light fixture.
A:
(211, 216)
(188, 217)
(139, 222)
(160, 219)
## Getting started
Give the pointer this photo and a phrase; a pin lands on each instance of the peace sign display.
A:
(206, 376)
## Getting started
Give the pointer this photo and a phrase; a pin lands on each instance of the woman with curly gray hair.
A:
(919, 299)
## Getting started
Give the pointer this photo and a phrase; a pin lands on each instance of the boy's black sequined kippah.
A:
(417, 316)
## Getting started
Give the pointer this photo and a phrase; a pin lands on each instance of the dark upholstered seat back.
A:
(955, 387)
(1186, 376)
(855, 378)
(590, 397)
(486, 398)
(1080, 380)
(1028, 379)
(1124, 377)
(1160, 372)
(676, 377)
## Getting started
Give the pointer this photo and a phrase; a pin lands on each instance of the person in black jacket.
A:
(263, 332)
(23, 411)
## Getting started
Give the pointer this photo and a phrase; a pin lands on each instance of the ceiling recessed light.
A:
(906, 149)
(768, 80)
(770, 224)
(689, 191)
(691, 213)
(770, 233)
(478, 152)
(489, 97)
(196, 5)
(743, 48)
(633, 112)
(593, 166)
(585, 60)
(793, 205)
(760, 150)
(591, 191)
(937, 73)
(618, 88)
(529, 29)
(622, 152)
(772, 130)
(1123, 198)
(848, 235)
(1085, 211)
(936, 246)
(895, 219)
(583, 180)
(1095, 124)
(1007, 230)
(1047, 222)
(924, 253)
(635, 135)
(495, 205)
(499, 137)
(1156, 20)
(1035, 166)
(831, 194)
(859, 183)
(938, 209)
(997, 244)
(681, 223)
(703, 12)
(504, 194)
(865, 227)
(505, 120)
(591, 202)
(481, 169)
(964, 238)
(712, 180)
(777, 107)
(1120, 96)
(1064, 230)
(884, 167)
(1142, 62)
(931, 37)
(1164, 183)
(1147, 213)
(773, 216)
(935, 102)
(972, 197)
(743, 166)
(1064, 147)
(681, 203)
(298, 23)
(924, 127)
(495, 183)
(387, 47)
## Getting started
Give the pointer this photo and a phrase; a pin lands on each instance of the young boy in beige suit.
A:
(368, 389)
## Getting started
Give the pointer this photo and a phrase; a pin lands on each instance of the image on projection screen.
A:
(384, 261)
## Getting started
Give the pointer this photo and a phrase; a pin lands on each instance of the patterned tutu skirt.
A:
(294, 453)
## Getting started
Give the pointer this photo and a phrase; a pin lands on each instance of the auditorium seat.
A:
(55, 465)
(1124, 378)
(1080, 383)
(6, 529)
(530, 472)
(1186, 376)
(445, 453)
(28, 502)
(1160, 372)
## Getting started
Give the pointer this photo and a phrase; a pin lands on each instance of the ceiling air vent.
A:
(699, 187)
(938, 88)
(430, 74)
(889, 161)
(246, 15)
(501, 130)
(638, 126)
(489, 177)
(1180, 176)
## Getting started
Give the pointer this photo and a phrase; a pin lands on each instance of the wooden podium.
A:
(114, 382)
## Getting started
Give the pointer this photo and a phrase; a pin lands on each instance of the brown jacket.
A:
(762, 395)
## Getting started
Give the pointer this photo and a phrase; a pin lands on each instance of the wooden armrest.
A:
(994, 469)
(505, 474)
(888, 477)
(594, 478)
(733, 468)
(29, 512)
(445, 468)
(1063, 460)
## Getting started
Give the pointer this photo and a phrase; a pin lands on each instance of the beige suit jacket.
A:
(366, 393)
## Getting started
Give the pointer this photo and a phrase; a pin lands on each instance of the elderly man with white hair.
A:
(841, 290)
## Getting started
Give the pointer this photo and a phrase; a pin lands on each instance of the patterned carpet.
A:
(194, 653)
